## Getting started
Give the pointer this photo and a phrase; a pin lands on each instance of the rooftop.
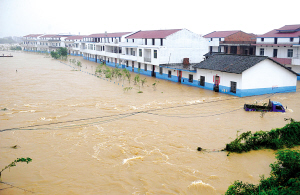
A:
(220, 34)
(152, 34)
(233, 63)
(285, 31)
(104, 35)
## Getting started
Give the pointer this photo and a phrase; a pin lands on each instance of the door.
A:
(202, 80)
(275, 53)
(179, 76)
(116, 61)
(153, 71)
(95, 58)
(216, 83)
(132, 66)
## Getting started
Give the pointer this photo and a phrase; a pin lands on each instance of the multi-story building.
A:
(44, 43)
(57, 41)
(104, 47)
(153, 52)
(231, 42)
(282, 45)
(73, 43)
(30, 42)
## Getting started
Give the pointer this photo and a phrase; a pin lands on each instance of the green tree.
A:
(54, 55)
(63, 51)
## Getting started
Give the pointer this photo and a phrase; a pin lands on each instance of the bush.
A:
(284, 177)
(287, 136)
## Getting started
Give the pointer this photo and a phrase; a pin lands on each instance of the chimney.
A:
(186, 61)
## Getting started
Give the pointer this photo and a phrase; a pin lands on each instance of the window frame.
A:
(290, 53)
(155, 54)
(262, 51)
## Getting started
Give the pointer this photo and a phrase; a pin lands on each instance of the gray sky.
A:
(23, 17)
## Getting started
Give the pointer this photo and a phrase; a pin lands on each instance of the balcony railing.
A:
(147, 59)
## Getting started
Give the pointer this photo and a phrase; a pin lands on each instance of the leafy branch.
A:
(13, 164)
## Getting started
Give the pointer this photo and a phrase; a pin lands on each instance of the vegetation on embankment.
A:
(284, 177)
(287, 136)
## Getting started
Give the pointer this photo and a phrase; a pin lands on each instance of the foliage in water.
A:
(13, 164)
(284, 177)
(287, 136)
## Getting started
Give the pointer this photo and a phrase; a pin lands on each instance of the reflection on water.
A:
(87, 136)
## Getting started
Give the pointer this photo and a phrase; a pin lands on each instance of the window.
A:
(161, 42)
(211, 39)
(153, 41)
(202, 80)
(126, 63)
(145, 67)
(232, 87)
(291, 39)
(190, 78)
(126, 51)
(160, 70)
(140, 52)
(169, 74)
(262, 39)
(290, 53)
(139, 65)
(155, 53)
(275, 40)
(132, 40)
(262, 51)
(145, 41)
(219, 39)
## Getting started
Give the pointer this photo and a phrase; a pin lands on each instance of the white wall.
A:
(183, 44)
(267, 74)
(225, 78)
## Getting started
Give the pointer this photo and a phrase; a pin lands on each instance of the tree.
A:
(62, 51)
(54, 55)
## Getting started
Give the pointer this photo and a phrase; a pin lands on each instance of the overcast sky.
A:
(23, 17)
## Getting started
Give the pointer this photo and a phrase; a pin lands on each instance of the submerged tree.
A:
(13, 164)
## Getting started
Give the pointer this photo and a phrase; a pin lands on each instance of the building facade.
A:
(282, 45)
(231, 42)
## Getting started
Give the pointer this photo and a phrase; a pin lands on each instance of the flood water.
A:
(86, 135)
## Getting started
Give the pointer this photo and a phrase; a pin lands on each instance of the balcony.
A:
(147, 59)
(246, 43)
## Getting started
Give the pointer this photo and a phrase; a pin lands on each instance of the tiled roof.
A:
(290, 27)
(33, 35)
(152, 34)
(287, 61)
(49, 35)
(76, 37)
(286, 31)
(103, 35)
(233, 63)
(220, 34)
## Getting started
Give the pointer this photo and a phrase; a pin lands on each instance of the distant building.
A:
(30, 42)
(231, 42)
(282, 45)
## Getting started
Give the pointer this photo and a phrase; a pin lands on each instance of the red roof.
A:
(46, 36)
(290, 27)
(103, 35)
(283, 60)
(152, 34)
(220, 34)
(286, 31)
(76, 37)
(33, 35)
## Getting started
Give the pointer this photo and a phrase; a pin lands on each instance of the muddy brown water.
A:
(86, 135)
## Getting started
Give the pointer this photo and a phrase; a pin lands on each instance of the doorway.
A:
(179, 76)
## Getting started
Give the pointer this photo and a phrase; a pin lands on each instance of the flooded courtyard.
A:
(87, 135)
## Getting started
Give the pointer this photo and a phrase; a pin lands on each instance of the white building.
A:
(282, 45)
(73, 43)
(242, 75)
(104, 47)
(147, 51)
(31, 42)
